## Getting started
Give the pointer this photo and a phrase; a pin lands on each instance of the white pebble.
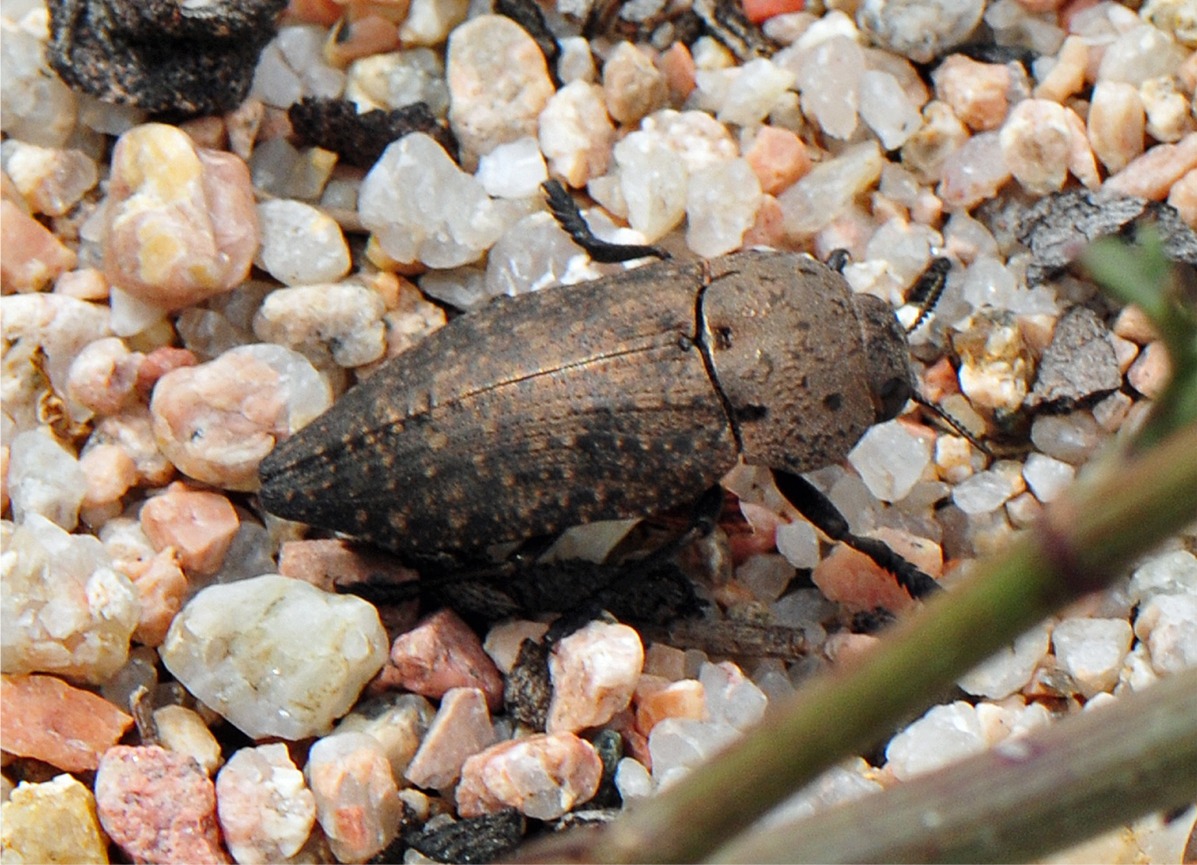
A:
(1010, 668)
(944, 735)
(679, 744)
(653, 181)
(753, 91)
(576, 134)
(765, 575)
(829, 81)
(732, 698)
(983, 493)
(721, 204)
(339, 323)
(1173, 572)
(265, 807)
(292, 660)
(632, 780)
(886, 108)
(300, 244)
(1047, 477)
(1070, 438)
(1092, 650)
(890, 460)
(1168, 625)
(65, 609)
(513, 170)
(594, 672)
(1141, 53)
(816, 200)
(799, 543)
(422, 207)
(44, 478)
(292, 66)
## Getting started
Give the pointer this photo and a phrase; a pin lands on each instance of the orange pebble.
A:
(757, 11)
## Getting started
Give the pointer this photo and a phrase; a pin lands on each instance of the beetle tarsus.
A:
(825, 516)
(565, 211)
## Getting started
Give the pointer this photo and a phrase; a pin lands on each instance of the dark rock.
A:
(477, 839)
(1079, 367)
(162, 56)
(359, 139)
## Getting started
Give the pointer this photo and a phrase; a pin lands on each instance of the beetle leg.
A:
(565, 211)
(817, 508)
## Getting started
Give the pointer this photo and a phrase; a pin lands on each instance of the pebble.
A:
(1173, 572)
(461, 728)
(397, 721)
(1150, 372)
(1070, 438)
(65, 609)
(633, 87)
(542, 776)
(441, 653)
(752, 91)
(778, 157)
(292, 66)
(926, 152)
(978, 93)
(1067, 75)
(1152, 175)
(1168, 625)
(498, 84)
(657, 698)
(766, 575)
(653, 183)
(884, 106)
(44, 479)
(944, 735)
(594, 673)
(1138, 54)
(158, 806)
(338, 324)
(429, 22)
(1010, 668)
(265, 807)
(293, 659)
(421, 206)
(51, 822)
(1092, 651)
(216, 421)
(51, 180)
(36, 256)
(721, 205)
(199, 525)
(1047, 477)
(890, 459)
(300, 244)
(1036, 142)
(633, 780)
(855, 580)
(575, 133)
(1079, 365)
(828, 77)
(1168, 115)
(678, 745)
(184, 731)
(825, 193)
(1117, 124)
(513, 170)
(103, 377)
(357, 802)
(180, 225)
(919, 29)
(731, 697)
(40, 108)
(49, 720)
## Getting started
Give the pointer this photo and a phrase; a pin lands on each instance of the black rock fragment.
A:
(1079, 367)
(477, 839)
(1057, 228)
(163, 56)
(359, 139)
(527, 689)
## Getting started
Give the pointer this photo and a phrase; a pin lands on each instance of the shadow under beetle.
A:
(605, 400)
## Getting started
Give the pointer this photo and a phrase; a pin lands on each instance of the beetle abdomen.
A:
(572, 405)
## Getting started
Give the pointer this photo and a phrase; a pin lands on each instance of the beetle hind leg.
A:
(817, 508)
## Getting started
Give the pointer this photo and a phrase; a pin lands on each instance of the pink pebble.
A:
(461, 728)
(200, 525)
(442, 653)
(1151, 175)
(594, 672)
(977, 92)
(542, 776)
(158, 806)
(657, 699)
(158, 363)
(778, 158)
(161, 589)
(33, 256)
(45, 718)
(855, 580)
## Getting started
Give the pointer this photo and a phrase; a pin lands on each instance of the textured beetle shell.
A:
(582, 403)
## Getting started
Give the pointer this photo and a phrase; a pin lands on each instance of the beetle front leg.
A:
(817, 508)
(565, 210)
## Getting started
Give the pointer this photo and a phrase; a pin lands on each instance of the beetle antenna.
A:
(565, 210)
(929, 289)
(946, 416)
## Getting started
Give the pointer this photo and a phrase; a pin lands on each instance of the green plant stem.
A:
(1018, 801)
(1085, 540)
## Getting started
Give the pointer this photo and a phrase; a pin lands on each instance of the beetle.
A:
(605, 400)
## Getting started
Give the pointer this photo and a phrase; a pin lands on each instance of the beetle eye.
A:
(893, 396)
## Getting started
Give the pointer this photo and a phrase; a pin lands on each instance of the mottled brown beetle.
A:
(616, 398)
